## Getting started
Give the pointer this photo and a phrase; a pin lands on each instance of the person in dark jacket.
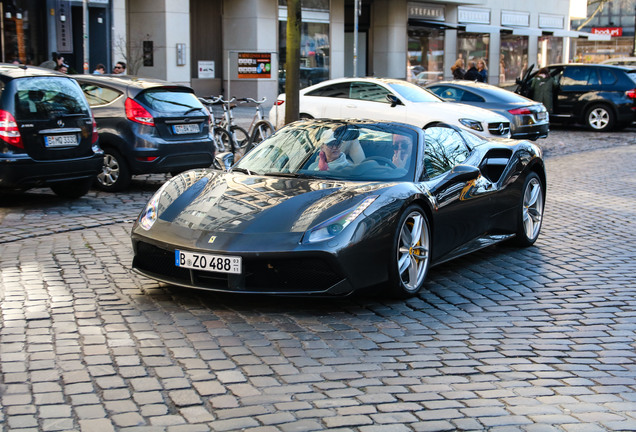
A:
(481, 68)
(458, 69)
(472, 74)
(542, 88)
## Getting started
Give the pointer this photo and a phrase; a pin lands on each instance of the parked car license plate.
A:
(542, 115)
(60, 140)
(208, 262)
(185, 128)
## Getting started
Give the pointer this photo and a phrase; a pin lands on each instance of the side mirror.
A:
(459, 174)
(394, 100)
(224, 160)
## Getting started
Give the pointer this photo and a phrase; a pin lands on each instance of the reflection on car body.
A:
(275, 223)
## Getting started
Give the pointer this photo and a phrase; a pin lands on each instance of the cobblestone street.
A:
(532, 340)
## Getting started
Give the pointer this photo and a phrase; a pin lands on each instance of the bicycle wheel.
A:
(223, 140)
(241, 136)
(262, 130)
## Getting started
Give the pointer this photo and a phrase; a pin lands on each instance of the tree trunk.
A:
(292, 76)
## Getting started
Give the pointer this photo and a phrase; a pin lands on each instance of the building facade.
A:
(237, 47)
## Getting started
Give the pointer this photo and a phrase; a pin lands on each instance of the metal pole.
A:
(85, 34)
(2, 30)
(355, 36)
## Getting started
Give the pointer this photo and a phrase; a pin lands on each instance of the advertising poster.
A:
(254, 65)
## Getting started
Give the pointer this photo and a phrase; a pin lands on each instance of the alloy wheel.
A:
(532, 208)
(413, 251)
(598, 118)
(110, 171)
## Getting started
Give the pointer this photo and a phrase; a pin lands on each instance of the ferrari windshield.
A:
(336, 150)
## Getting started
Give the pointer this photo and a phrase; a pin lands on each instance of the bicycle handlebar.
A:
(245, 100)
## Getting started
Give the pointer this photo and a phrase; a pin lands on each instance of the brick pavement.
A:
(539, 339)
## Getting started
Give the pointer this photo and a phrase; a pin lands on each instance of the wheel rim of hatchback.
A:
(599, 118)
(532, 209)
(110, 171)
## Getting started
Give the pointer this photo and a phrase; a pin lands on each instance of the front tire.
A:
(410, 259)
(530, 214)
(115, 175)
(599, 118)
(262, 130)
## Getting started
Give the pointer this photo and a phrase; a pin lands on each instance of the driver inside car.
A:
(401, 150)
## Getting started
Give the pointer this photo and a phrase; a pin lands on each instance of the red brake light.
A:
(137, 113)
(631, 94)
(9, 131)
(519, 111)
(280, 102)
(94, 135)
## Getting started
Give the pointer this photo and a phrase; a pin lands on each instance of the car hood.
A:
(213, 201)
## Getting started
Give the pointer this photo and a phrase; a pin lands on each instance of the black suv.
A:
(602, 97)
(47, 134)
(146, 126)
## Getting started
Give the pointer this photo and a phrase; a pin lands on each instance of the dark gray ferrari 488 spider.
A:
(329, 207)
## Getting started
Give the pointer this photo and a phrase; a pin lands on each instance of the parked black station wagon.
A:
(602, 97)
(146, 126)
(47, 134)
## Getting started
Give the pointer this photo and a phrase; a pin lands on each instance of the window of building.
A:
(513, 60)
(550, 50)
(24, 26)
(314, 42)
(472, 47)
(425, 53)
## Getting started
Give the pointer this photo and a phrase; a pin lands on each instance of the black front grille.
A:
(308, 274)
(499, 128)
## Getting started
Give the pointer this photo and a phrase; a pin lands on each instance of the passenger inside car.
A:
(402, 149)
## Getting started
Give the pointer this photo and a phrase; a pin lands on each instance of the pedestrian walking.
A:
(458, 69)
(542, 88)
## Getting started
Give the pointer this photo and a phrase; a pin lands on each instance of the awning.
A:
(484, 28)
(526, 31)
(430, 23)
(578, 34)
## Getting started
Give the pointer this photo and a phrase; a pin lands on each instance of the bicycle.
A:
(224, 142)
(259, 128)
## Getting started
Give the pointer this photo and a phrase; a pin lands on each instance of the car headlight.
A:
(472, 124)
(149, 216)
(333, 226)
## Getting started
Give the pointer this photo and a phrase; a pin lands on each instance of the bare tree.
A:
(132, 53)
(599, 7)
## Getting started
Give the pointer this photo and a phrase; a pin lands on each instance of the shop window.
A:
(425, 52)
(513, 60)
(550, 50)
(25, 32)
(472, 47)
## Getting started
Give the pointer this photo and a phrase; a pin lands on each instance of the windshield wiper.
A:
(192, 110)
(243, 170)
(288, 174)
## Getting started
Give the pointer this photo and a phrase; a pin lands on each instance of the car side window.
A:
(447, 93)
(607, 76)
(98, 95)
(369, 92)
(445, 148)
(471, 97)
(578, 76)
(340, 90)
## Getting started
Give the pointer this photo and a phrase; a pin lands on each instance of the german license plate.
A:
(60, 140)
(208, 262)
(181, 129)
(542, 115)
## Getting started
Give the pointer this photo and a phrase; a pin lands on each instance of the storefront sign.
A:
(473, 15)
(612, 31)
(426, 11)
(254, 65)
(551, 21)
(63, 27)
(510, 18)
(206, 69)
